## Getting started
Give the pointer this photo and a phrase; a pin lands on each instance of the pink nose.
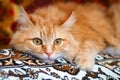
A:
(49, 53)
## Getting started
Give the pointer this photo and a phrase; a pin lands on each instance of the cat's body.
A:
(51, 32)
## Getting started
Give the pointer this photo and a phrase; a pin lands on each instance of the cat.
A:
(77, 33)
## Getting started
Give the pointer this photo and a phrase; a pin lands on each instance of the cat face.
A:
(43, 38)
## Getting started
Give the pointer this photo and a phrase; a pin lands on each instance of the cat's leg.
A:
(85, 58)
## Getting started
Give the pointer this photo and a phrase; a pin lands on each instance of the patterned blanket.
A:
(23, 66)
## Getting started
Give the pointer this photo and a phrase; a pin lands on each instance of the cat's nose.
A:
(49, 53)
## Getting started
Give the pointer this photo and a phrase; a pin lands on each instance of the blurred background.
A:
(9, 12)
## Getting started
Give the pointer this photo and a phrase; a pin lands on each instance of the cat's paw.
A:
(84, 63)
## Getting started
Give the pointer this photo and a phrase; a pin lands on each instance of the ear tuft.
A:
(70, 21)
(23, 16)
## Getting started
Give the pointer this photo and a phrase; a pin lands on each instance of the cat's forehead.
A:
(43, 20)
(46, 29)
(45, 26)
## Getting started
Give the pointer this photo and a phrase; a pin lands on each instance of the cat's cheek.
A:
(65, 47)
(35, 48)
(43, 56)
(39, 50)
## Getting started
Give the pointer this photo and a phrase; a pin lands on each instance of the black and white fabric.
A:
(15, 65)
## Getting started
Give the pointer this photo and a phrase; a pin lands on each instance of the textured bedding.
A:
(15, 65)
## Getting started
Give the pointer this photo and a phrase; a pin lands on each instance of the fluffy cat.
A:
(58, 30)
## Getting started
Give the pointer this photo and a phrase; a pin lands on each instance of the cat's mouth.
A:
(48, 59)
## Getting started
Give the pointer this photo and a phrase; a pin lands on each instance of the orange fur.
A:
(84, 33)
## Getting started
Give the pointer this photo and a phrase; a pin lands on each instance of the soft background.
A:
(9, 12)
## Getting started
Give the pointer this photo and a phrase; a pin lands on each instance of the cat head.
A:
(42, 37)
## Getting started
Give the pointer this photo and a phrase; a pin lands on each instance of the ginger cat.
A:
(58, 30)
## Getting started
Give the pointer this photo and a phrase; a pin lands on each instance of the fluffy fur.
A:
(85, 30)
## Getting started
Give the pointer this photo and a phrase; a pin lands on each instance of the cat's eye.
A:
(37, 41)
(58, 41)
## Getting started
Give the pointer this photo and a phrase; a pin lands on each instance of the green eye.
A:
(37, 41)
(58, 41)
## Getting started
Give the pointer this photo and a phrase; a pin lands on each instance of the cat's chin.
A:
(52, 57)
(49, 60)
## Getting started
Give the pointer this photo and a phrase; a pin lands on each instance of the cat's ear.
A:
(23, 18)
(70, 21)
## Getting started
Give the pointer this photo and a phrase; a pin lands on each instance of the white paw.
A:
(84, 63)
